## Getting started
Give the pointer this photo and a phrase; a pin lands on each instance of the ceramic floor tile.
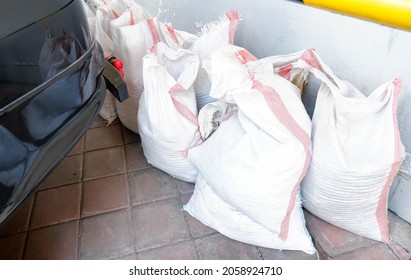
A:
(103, 137)
(150, 185)
(58, 242)
(12, 247)
(127, 257)
(105, 194)
(135, 158)
(376, 252)
(219, 247)
(69, 171)
(334, 240)
(104, 162)
(19, 220)
(106, 236)
(158, 224)
(130, 136)
(185, 187)
(78, 148)
(272, 254)
(56, 205)
(99, 122)
(400, 231)
(180, 251)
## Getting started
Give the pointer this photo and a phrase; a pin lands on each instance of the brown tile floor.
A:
(104, 201)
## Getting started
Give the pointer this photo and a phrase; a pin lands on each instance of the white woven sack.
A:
(174, 38)
(167, 117)
(214, 35)
(134, 33)
(357, 151)
(107, 12)
(255, 161)
(209, 208)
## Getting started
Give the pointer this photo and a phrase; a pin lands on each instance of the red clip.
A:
(118, 64)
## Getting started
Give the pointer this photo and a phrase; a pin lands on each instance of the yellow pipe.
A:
(396, 13)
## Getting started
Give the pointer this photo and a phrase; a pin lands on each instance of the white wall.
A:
(365, 53)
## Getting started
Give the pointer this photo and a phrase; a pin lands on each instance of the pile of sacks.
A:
(210, 112)
(127, 31)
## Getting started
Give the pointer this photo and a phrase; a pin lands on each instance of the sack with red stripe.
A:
(133, 33)
(357, 152)
(213, 35)
(174, 38)
(252, 165)
(106, 12)
(167, 116)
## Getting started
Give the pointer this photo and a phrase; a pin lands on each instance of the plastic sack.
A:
(107, 11)
(174, 38)
(252, 165)
(167, 116)
(357, 151)
(134, 33)
(105, 14)
(214, 35)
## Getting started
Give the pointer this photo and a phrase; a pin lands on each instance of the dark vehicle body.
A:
(51, 90)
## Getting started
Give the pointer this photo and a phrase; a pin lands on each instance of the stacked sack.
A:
(357, 152)
(252, 164)
(100, 28)
(167, 117)
(168, 114)
(127, 31)
(134, 33)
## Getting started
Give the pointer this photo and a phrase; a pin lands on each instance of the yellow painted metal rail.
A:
(396, 13)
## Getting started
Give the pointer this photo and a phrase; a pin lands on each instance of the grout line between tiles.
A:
(129, 206)
(104, 148)
(163, 246)
(28, 225)
(260, 255)
(104, 176)
(83, 167)
(186, 221)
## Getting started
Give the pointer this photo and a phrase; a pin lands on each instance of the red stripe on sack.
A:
(181, 108)
(233, 17)
(381, 213)
(309, 57)
(172, 33)
(185, 112)
(131, 18)
(280, 111)
(285, 71)
(175, 88)
(153, 49)
(245, 56)
(115, 14)
(154, 32)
